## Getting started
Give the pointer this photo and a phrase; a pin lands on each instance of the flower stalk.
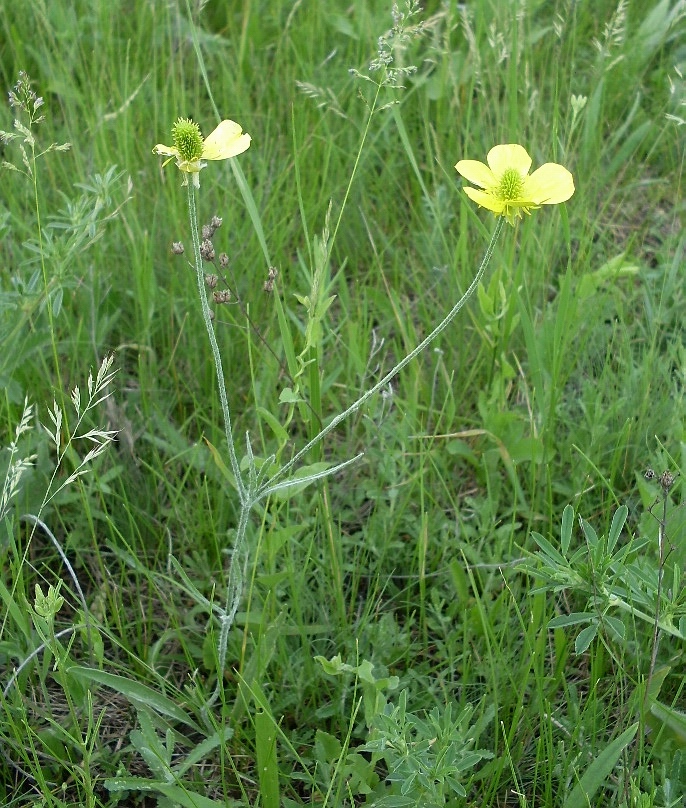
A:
(207, 318)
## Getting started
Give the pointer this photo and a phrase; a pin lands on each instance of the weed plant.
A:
(456, 580)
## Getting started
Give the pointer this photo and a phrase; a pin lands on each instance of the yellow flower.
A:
(508, 188)
(190, 149)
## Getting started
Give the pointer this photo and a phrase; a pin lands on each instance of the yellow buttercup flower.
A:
(508, 188)
(190, 149)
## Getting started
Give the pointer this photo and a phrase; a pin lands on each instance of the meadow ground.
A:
(470, 591)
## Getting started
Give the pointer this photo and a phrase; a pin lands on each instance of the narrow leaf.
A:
(618, 521)
(572, 619)
(202, 750)
(267, 766)
(599, 770)
(303, 477)
(584, 638)
(135, 692)
(673, 719)
(615, 626)
(589, 533)
(277, 428)
(178, 795)
(566, 531)
(221, 465)
(549, 551)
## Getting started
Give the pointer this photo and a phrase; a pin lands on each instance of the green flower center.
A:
(187, 139)
(511, 184)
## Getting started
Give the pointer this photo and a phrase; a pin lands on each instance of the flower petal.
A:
(171, 151)
(510, 155)
(226, 141)
(549, 185)
(487, 201)
(477, 173)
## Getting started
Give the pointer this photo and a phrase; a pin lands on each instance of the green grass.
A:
(432, 566)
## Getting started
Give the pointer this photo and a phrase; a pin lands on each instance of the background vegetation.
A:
(393, 645)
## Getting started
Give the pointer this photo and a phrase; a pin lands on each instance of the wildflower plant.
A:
(425, 756)
(254, 481)
(551, 362)
(45, 609)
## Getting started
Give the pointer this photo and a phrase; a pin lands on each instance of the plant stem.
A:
(234, 591)
(268, 486)
(661, 543)
(200, 275)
